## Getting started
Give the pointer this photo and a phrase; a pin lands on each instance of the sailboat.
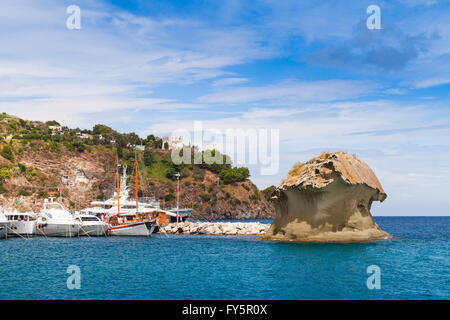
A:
(128, 223)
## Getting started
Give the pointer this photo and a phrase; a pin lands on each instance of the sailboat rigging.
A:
(127, 223)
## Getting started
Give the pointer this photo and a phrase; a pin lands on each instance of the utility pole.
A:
(178, 193)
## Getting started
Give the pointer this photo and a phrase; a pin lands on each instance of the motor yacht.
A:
(92, 226)
(56, 221)
(21, 223)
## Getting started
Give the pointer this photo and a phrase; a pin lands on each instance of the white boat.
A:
(22, 223)
(92, 226)
(55, 221)
(4, 226)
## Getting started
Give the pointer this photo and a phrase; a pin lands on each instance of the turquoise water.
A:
(415, 265)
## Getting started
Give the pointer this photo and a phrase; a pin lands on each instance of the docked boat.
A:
(129, 221)
(4, 226)
(21, 223)
(178, 215)
(121, 203)
(130, 225)
(56, 221)
(91, 225)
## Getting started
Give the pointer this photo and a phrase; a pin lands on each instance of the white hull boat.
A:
(92, 226)
(55, 221)
(4, 226)
(22, 224)
(133, 229)
(4, 229)
(55, 229)
(94, 230)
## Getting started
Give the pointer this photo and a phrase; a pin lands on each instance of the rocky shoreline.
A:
(216, 228)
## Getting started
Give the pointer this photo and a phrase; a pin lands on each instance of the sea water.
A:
(413, 265)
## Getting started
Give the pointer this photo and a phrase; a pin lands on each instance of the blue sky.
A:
(310, 69)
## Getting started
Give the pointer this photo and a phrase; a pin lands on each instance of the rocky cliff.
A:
(327, 199)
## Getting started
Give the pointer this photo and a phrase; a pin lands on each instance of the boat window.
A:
(89, 219)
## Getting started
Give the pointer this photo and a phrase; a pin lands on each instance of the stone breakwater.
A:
(216, 228)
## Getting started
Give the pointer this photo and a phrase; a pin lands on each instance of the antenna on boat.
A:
(118, 185)
(178, 193)
(136, 172)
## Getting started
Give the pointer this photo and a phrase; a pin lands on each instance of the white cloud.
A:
(114, 60)
(431, 82)
(293, 91)
(229, 81)
(394, 91)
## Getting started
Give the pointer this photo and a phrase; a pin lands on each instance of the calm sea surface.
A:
(414, 265)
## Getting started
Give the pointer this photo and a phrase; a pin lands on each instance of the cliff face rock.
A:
(82, 176)
(240, 200)
(327, 199)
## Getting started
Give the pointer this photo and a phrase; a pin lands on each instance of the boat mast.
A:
(118, 185)
(178, 194)
(136, 172)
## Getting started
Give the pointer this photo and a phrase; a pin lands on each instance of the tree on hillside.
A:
(6, 153)
(158, 143)
(230, 175)
(149, 157)
(52, 123)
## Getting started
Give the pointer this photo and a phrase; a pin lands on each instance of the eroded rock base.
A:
(338, 212)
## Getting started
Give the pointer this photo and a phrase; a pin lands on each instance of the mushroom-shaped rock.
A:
(327, 199)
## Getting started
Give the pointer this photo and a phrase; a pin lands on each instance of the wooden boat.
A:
(127, 224)
(131, 226)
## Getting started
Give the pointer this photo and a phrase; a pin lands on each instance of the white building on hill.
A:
(173, 142)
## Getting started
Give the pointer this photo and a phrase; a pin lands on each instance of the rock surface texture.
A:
(216, 228)
(327, 199)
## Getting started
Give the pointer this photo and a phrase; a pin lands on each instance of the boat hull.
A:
(137, 229)
(4, 229)
(58, 230)
(94, 230)
(22, 228)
